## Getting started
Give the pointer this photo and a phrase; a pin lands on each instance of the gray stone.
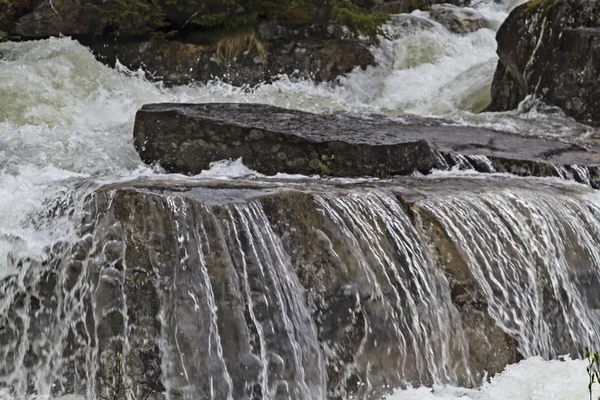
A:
(457, 19)
(186, 138)
(406, 24)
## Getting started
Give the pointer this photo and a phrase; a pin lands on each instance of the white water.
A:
(532, 379)
(66, 122)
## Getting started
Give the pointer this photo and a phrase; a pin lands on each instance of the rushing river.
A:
(66, 129)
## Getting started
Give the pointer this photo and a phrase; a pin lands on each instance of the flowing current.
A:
(65, 131)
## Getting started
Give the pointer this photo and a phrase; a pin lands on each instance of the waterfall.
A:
(535, 256)
(422, 325)
(233, 285)
(206, 294)
(276, 351)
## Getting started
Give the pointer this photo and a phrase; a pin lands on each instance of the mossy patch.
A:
(144, 17)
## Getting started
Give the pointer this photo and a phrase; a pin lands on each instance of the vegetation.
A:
(593, 370)
(229, 48)
(142, 17)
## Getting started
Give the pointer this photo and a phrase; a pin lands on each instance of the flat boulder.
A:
(187, 138)
(550, 49)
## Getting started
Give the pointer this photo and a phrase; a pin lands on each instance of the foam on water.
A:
(532, 379)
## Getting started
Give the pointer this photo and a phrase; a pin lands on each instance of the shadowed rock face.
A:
(302, 51)
(186, 138)
(551, 49)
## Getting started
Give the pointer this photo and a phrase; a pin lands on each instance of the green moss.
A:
(533, 4)
(131, 17)
(359, 22)
(143, 17)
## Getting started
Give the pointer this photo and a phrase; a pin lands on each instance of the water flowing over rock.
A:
(407, 6)
(457, 19)
(260, 290)
(186, 138)
(550, 49)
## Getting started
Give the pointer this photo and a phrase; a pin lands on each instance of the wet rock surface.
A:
(551, 49)
(196, 55)
(56, 18)
(222, 249)
(457, 19)
(178, 63)
(186, 138)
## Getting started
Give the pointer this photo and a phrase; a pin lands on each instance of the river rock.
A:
(457, 19)
(551, 49)
(186, 138)
(177, 63)
(406, 24)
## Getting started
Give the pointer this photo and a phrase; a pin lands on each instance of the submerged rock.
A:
(457, 19)
(406, 24)
(186, 138)
(551, 49)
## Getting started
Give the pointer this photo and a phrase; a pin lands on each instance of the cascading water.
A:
(65, 131)
(534, 254)
(415, 300)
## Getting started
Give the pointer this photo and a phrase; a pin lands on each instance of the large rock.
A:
(551, 49)
(457, 19)
(256, 289)
(240, 282)
(186, 138)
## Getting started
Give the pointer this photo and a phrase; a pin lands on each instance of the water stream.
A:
(65, 131)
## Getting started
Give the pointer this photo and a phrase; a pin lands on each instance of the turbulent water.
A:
(65, 130)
